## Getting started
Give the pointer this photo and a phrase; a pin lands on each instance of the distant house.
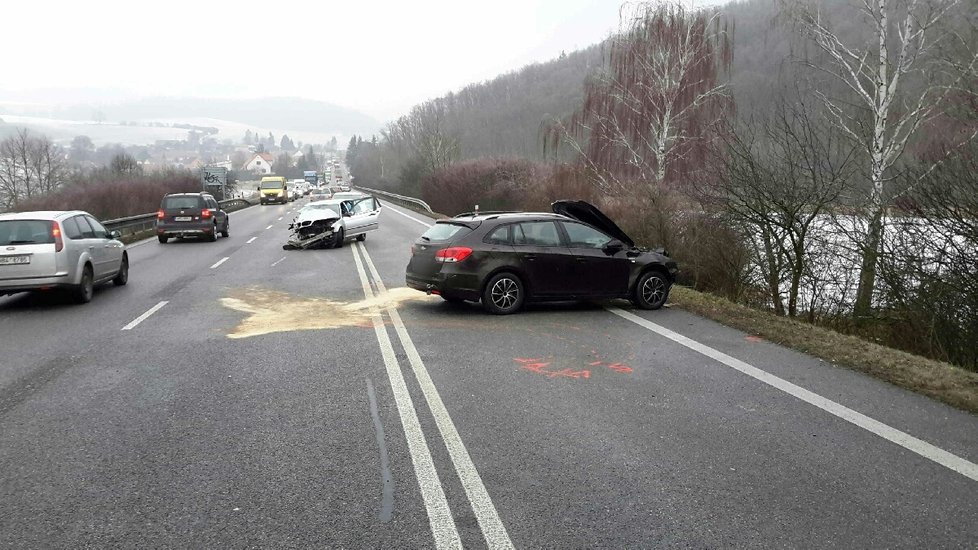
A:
(260, 163)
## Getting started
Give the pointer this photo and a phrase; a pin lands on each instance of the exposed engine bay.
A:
(315, 227)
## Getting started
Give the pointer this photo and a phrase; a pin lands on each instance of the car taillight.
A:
(160, 214)
(59, 243)
(205, 213)
(453, 254)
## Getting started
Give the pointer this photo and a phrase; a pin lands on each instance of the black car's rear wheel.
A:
(227, 230)
(503, 294)
(163, 238)
(651, 290)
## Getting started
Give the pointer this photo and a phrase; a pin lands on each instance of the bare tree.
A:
(647, 116)
(893, 89)
(779, 175)
(29, 167)
(125, 164)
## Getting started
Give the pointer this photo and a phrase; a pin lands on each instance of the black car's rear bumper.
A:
(451, 285)
(181, 229)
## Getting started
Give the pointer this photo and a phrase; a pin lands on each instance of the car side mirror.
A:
(613, 246)
(115, 234)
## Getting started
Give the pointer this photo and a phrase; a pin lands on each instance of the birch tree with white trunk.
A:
(892, 88)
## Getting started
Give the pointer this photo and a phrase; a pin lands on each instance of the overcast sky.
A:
(378, 56)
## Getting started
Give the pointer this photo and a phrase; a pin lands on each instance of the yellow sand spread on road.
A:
(272, 311)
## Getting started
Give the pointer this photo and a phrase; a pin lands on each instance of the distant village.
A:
(253, 154)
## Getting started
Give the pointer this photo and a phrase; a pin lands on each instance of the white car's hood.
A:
(315, 214)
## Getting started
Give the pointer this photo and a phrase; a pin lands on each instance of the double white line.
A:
(439, 515)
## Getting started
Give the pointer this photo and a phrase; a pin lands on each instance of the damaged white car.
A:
(326, 224)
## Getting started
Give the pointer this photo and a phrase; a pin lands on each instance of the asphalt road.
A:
(264, 403)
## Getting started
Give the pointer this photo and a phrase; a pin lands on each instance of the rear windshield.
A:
(25, 232)
(445, 231)
(177, 203)
(271, 185)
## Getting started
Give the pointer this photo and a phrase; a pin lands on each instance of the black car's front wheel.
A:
(503, 294)
(651, 290)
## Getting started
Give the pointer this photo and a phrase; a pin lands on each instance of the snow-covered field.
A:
(62, 131)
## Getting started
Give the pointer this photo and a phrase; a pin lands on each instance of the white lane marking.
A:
(221, 261)
(426, 224)
(269, 227)
(251, 240)
(280, 218)
(145, 316)
(130, 246)
(439, 514)
(279, 261)
(905, 440)
(485, 512)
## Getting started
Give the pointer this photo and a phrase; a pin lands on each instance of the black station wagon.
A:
(505, 259)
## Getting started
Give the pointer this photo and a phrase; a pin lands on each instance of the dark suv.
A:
(191, 215)
(507, 258)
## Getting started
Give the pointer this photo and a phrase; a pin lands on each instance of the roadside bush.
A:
(492, 183)
(109, 196)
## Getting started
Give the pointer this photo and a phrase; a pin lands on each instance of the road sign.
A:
(215, 177)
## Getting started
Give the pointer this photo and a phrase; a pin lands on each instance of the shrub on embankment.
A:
(109, 196)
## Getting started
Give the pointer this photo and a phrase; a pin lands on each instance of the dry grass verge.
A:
(952, 385)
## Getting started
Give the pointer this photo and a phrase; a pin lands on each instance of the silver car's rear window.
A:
(25, 232)
(174, 203)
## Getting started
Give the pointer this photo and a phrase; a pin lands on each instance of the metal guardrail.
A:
(143, 222)
(395, 196)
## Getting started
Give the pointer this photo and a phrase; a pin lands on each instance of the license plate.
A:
(182, 219)
(14, 260)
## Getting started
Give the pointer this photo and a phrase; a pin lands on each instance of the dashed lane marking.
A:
(145, 316)
(251, 240)
(219, 262)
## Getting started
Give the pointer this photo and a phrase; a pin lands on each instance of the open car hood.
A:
(589, 214)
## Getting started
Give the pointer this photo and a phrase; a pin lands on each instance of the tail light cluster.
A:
(453, 254)
(59, 242)
(205, 214)
(160, 214)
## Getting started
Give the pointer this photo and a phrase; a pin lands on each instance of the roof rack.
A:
(484, 213)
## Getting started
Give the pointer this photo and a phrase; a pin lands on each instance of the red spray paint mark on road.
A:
(618, 367)
(754, 339)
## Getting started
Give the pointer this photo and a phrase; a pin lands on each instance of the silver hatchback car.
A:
(63, 250)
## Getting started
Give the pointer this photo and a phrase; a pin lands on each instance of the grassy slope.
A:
(952, 385)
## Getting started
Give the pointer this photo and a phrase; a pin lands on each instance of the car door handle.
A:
(581, 259)
(530, 257)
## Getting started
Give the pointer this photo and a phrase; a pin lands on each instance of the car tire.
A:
(651, 290)
(82, 293)
(122, 277)
(163, 238)
(362, 237)
(226, 232)
(212, 236)
(338, 240)
(503, 294)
